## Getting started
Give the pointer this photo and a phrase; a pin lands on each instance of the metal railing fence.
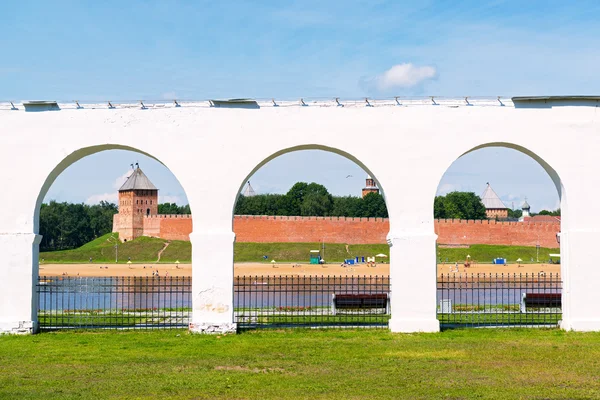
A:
(502, 300)
(463, 300)
(113, 302)
(311, 301)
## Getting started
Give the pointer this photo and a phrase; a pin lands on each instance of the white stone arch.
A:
(334, 150)
(77, 155)
(213, 287)
(543, 160)
(62, 164)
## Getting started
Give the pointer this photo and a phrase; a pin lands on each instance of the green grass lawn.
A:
(145, 249)
(312, 364)
(102, 250)
(485, 253)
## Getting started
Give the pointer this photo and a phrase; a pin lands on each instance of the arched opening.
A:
(498, 212)
(311, 224)
(104, 254)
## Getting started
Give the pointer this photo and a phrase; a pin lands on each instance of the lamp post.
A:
(537, 250)
(116, 249)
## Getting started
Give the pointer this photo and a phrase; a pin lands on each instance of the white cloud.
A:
(446, 188)
(169, 199)
(112, 197)
(400, 76)
(121, 180)
(169, 95)
(97, 198)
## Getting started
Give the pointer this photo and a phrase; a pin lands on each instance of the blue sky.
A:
(152, 50)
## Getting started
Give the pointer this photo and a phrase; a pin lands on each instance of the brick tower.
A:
(370, 186)
(494, 207)
(138, 198)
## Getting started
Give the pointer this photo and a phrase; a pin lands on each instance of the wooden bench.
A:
(548, 300)
(359, 302)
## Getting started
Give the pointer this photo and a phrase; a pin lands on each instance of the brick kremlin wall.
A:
(249, 228)
(491, 232)
(259, 228)
(168, 226)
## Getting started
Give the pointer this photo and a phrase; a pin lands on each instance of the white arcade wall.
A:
(415, 142)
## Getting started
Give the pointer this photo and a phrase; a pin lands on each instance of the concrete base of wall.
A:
(591, 325)
(213, 329)
(414, 325)
(18, 327)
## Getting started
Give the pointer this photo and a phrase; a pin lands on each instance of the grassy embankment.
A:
(282, 364)
(145, 249)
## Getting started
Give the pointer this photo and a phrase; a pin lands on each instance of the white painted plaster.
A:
(415, 144)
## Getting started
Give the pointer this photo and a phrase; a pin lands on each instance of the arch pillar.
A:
(413, 280)
(212, 281)
(581, 275)
(19, 254)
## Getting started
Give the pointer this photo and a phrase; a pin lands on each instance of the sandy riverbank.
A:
(277, 269)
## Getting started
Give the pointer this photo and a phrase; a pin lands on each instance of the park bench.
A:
(540, 300)
(360, 302)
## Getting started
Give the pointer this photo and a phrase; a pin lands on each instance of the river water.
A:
(106, 293)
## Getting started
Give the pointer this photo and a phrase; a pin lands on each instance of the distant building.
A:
(249, 192)
(494, 207)
(138, 198)
(525, 208)
(370, 187)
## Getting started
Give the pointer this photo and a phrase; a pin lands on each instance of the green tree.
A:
(439, 208)
(515, 213)
(459, 205)
(295, 197)
(173, 208)
(311, 200)
(373, 205)
(66, 226)
(555, 213)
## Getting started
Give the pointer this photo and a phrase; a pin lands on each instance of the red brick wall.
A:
(358, 230)
(492, 232)
(374, 230)
(169, 227)
(310, 229)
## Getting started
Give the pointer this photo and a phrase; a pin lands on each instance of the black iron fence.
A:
(311, 301)
(114, 302)
(463, 300)
(479, 300)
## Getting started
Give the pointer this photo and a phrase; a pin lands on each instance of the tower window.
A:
(148, 211)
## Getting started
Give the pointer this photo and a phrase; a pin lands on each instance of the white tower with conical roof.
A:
(525, 208)
(249, 192)
(494, 207)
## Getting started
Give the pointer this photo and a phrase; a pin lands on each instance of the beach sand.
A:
(286, 269)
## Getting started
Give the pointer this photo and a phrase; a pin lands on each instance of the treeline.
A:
(555, 213)
(467, 205)
(66, 226)
(459, 205)
(305, 199)
(172, 208)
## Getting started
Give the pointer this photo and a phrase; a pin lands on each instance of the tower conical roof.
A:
(490, 199)
(525, 205)
(137, 181)
(249, 192)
